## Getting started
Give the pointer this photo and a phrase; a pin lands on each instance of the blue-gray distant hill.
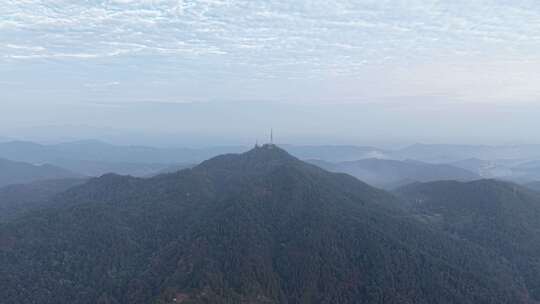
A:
(446, 153)
(94, 158)
(335, 153)
(533, 186)
(92, 150)
(15, 172)
(393, 173)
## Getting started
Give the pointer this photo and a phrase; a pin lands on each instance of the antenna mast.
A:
(272, 136)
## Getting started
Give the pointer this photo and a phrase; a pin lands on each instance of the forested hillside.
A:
(18, 199)
(259, 227)
(499, 216)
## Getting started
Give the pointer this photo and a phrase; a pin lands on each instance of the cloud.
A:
(280, 30)
(102, 84)
(257, 40)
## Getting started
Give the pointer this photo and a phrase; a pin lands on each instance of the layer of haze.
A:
(225, 72)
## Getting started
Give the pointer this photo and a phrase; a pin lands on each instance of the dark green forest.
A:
(499, 216)
(261, 227)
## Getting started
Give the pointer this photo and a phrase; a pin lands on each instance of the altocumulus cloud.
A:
(237, 39)
(288, 32)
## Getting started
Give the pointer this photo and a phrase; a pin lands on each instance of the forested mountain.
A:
(18, 199)
(94, 158)
(12, 172)
(387, 173)
(500, 216)
(258, 227)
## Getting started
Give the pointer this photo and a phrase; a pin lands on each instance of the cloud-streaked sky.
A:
(74, 53)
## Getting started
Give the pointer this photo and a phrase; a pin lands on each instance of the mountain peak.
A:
(269, 150)
(260, 157)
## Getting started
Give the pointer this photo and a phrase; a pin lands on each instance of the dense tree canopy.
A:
(499, 216)
(259, 227)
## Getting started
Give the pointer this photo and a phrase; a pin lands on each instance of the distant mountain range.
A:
(92, 150)
(94, 158)
(12, 172)
(453, 153)
(258, 227)
(335, 153)
(393, 173)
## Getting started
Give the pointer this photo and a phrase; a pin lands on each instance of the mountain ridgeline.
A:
(258, 227)
(13, 172)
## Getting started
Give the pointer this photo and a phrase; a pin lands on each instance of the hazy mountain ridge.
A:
(336, 153)
(533, 186)
(93, 150)
(446, 153)
(391, 173)
(260, 227)
(14, 172)
(94, 158)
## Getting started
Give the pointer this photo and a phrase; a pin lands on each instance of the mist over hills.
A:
(487, 168)
(393, 173)
(534, 186)
(451, 153)
(94, 158)
(257, 227)
(336, 153)
(92, 150)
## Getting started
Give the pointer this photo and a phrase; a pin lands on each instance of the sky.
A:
(316, 71)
